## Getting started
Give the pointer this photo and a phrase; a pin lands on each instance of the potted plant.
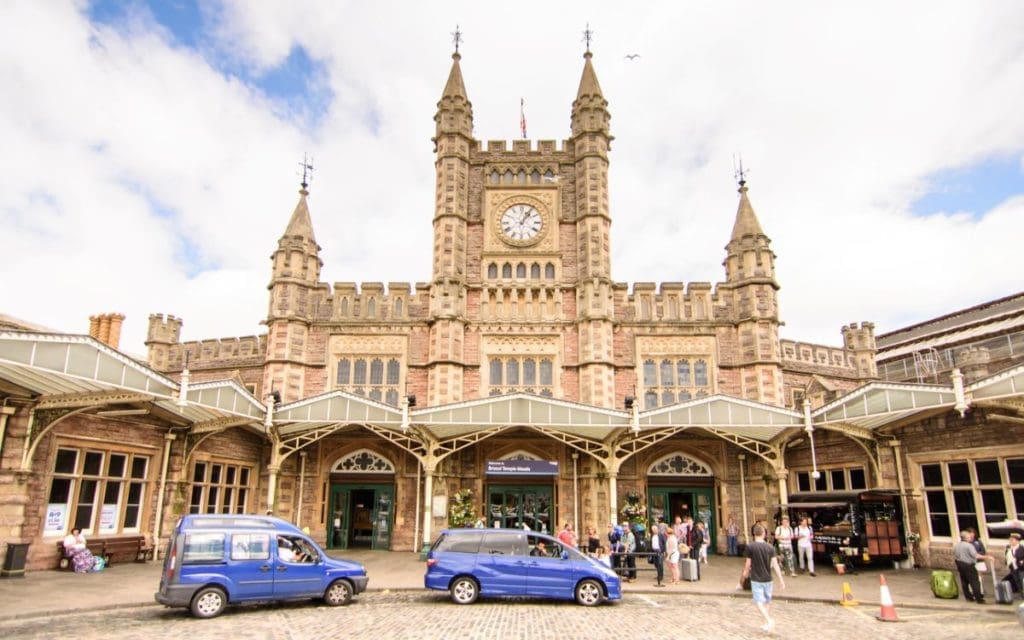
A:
(839, 562)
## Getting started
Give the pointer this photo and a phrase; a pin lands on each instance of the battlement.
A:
(818, 355)
(164, 330)
(218, 353)
(523, 147)
(859, 337)
(372, 301)
(668, 300)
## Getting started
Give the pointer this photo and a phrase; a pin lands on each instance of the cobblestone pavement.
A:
(430, 615)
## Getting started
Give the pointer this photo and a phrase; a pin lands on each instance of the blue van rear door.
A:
(501, 568)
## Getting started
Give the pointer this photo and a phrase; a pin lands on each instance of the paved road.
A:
(383, 615)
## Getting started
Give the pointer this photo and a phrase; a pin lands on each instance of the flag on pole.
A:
(522, 116)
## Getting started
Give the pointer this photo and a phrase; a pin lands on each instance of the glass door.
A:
(514, 506)
(337, 523)
(383, 502)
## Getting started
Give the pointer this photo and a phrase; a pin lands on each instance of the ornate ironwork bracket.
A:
(594, 448)
(765, 450)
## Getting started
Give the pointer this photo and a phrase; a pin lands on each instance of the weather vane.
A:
(588, 35)
(307, 170)
(740, 173)
(457, 38)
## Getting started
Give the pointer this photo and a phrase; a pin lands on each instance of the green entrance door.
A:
(697, 502)
(513, 506)
(361, 516)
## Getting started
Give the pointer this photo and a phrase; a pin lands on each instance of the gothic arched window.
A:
(506, 270)
(667, 398)
(683, 369)
(495, 372)
(344, 370)
(394, 371)
(535, 271)
(700, 373)
(359, 376)
(377, 371)
(529, 372)
(650, 374)
(549, 271)
(512, 372)
(391, 397)
(371, 308)
(492, 271)
(668, 378)
(520, 270)
(650, 400)
(545, 373)
(398, 307)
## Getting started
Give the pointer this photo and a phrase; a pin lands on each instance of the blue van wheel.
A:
(464, 590)
(339, 593)
(208, 602)
(588, 593)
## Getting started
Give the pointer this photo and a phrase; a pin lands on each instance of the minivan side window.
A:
(504, 543)
(203, 548)
(460, 543)
(250, 546)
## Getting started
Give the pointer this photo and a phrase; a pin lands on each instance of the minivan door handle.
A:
(282, 567)
(265, 568)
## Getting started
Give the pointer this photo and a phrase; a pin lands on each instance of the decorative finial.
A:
(456, 38)
(739, 172)
(588, 35)
(307, 170)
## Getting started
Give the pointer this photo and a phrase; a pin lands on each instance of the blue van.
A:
(216, 560)
(470, 563)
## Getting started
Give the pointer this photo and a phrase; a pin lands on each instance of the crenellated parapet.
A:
(373, 302)
(668, 301)
(818, 358)
(246, 351)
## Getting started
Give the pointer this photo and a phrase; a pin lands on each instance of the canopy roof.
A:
(78, 371)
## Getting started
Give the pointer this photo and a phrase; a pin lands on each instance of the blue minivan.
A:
(216, 560)
(470, 563)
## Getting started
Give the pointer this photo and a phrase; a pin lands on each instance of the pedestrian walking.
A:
(784, 540)
(657, 545)
(805, 546)
(758, 566)
(966, 557)
(732, 533)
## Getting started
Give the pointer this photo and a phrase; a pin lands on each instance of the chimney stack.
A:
(106, 327)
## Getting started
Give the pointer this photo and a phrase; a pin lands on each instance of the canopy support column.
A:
(429, 468)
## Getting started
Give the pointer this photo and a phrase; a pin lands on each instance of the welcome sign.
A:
(522, 468)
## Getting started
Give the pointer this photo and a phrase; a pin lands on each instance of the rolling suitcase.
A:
(689, 569)
(944, 584)
(1003, 589)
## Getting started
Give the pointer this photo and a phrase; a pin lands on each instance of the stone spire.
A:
(454, 110)
(298, 254)
(746, 220)
(590, 109)
(748, 254)
(301, 225)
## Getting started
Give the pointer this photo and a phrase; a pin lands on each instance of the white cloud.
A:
(841, 110)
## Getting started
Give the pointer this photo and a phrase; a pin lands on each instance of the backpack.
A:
(944, 584)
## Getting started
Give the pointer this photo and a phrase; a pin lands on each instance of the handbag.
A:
(684, 548)
(981, 566)
(745, 583)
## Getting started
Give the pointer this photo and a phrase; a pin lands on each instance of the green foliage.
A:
(462, 511)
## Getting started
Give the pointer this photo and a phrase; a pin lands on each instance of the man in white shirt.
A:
(784, 538)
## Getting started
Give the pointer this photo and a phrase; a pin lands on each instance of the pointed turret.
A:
(298, 254)
(590, 109)
(454, 110)
(748, 254)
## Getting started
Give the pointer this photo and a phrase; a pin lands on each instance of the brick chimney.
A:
(106, 327)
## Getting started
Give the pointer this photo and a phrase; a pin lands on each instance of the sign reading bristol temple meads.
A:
(364, 406)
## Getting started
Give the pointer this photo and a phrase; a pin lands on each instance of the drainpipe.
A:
(742, 457)
(613, 496)
(416, 517)
(158, 526)
(575, 495)
(302, 480)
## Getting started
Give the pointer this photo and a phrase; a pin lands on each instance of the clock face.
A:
(521, 223)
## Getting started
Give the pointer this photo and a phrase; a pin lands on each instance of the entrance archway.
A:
(521, 500)
(680, 485)
(362, 499)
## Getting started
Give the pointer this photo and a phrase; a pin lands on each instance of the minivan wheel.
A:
(464, 590)
(209, 602)
(588, 593)
(339, 593)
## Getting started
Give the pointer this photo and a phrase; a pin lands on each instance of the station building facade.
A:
(522, 379)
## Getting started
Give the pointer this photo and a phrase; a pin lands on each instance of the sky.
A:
(150, 151)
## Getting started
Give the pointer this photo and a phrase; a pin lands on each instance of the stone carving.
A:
(678, 464)
(519, 455)
(364, 461)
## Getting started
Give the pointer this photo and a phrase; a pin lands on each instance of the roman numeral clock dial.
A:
(521, 224)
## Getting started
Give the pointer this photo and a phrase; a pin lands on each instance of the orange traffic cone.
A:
(888, 613)
(847, 600)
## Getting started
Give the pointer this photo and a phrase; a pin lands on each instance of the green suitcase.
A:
(944, 584)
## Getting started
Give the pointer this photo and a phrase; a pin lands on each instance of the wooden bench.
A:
(121, 549)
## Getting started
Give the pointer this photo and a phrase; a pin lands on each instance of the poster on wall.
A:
(108, 517)
(55, 515)
(440, 507)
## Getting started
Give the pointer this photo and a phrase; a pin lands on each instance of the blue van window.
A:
(460, 543)
(250, 546)
(504, 543)
(203, 548)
